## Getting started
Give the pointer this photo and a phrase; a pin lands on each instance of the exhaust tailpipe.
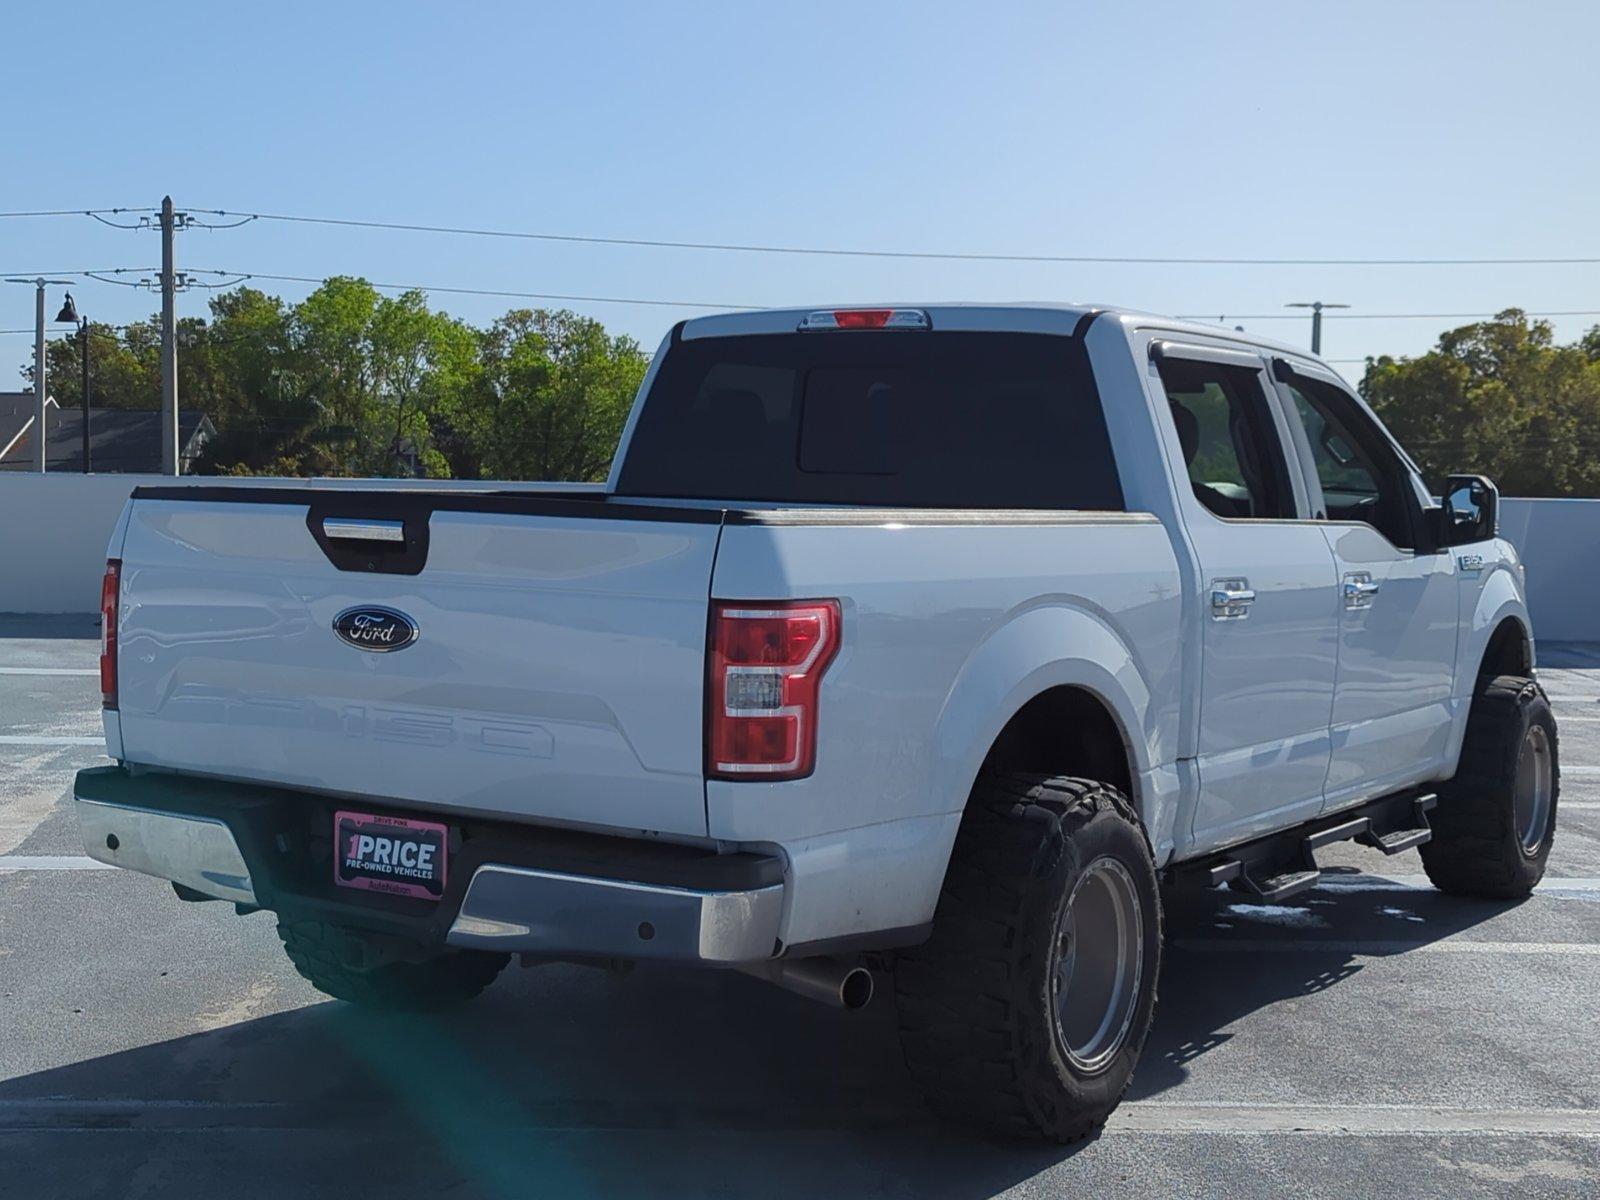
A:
(842, 985)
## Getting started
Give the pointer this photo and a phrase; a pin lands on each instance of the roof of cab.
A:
(1016, 317)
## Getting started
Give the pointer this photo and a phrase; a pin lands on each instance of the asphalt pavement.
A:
(1375, 1039)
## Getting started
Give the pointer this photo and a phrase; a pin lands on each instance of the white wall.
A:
(53, 534)
(54, 528)
(1560, 545)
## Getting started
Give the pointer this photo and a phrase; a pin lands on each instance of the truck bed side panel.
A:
(948, 630)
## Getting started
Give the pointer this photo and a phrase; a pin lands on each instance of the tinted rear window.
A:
(935, 420)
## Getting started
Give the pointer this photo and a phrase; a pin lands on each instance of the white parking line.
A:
(1580, 770)
(1380, 948)
(97, 740)
(1203, 1117)
(49, 671)
(1365, 1120)
(1576, 885)
(1572, 698)
(52, 862)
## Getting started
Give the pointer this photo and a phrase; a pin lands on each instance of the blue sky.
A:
(1228, 129)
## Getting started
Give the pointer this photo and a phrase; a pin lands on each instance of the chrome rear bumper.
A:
(505, 908)
(198, 852)
(525, 910)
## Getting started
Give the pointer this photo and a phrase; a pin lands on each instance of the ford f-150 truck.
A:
(940, 644)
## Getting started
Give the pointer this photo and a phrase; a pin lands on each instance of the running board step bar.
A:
(1281, 866)
(1272, 882)
(1396, 841)
(1278, 889)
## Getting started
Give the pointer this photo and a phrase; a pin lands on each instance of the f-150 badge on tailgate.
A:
(377, 629)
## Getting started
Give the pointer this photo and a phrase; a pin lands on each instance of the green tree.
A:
(377, 370)
(1498, 398)
(350, 382)
(245, 380)
(119, 375)
(549, 401)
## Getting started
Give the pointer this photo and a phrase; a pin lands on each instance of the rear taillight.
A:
(109, 587)
(766, 664)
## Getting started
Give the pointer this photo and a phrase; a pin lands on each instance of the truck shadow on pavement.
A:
(1228, 957)
(564, 1081)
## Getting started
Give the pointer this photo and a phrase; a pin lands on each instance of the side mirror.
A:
(1471, 510)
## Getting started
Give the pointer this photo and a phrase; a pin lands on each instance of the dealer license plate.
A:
(395, 855)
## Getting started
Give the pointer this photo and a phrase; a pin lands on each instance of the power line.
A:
(466, 291)
(73, 212)
(1408, 316)
(503, 294)
(94, 327)
(832, 251)
(82, 271)
(142, 223)
(939, 255)
(244, 276)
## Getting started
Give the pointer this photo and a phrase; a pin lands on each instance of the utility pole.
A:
(40, 379)
(169, 343)
(40, 368)
(83, 340)
(1316, 307)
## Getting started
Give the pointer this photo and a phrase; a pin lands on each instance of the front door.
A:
(1397, 619)
(1270, 607)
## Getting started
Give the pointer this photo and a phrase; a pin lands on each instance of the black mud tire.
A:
(1477, 848)
(977, 1023)
(332, 958)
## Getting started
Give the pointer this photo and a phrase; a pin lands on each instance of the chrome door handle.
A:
(1231, 599)
(357, 529)
(1359, 590)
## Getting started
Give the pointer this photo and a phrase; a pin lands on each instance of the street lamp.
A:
(69, 315)
(1316, 307)
(40, 371)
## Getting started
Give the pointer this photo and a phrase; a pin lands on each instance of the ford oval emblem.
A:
(371, 627)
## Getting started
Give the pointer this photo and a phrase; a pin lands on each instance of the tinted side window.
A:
(1235, 460)
(936, 420)
(1359, 480)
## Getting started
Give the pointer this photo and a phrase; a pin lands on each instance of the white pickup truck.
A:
(942, 643)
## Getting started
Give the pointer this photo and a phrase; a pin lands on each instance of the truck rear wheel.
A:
(1027, 1009)
(1495, 820)
(349, 965)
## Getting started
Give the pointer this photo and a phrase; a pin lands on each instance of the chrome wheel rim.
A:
(1099, 962)
(1535, 787)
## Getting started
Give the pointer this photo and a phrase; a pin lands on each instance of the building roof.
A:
(16, 414)
(123, 440)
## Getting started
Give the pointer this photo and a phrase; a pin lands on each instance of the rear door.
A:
(1398, 604)
(1270, 624)
(556, 672)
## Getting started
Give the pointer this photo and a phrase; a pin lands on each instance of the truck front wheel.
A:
(349, 965)
(1495, 820)
(1026, 1010)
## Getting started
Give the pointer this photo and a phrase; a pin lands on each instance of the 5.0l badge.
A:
(372, 627)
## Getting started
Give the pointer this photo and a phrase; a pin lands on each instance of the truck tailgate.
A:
(557, 670)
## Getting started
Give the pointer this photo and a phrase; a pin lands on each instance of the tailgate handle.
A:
(352, 529)
(390, 538)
